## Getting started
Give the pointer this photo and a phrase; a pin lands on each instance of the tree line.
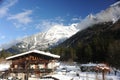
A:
(102, 47)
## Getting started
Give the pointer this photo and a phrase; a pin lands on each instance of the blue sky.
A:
(20, 18)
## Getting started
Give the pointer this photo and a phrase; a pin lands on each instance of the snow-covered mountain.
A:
(53, 36)
(60, 33)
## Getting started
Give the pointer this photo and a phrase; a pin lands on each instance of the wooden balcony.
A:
(30, 70)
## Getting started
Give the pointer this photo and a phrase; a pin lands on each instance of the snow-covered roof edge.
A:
(35, 51)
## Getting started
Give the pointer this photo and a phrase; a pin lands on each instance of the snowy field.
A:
(71, 72)
(83, 76)
(4, 66)
(68, 72)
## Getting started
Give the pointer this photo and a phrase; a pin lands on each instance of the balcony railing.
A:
(31, 70)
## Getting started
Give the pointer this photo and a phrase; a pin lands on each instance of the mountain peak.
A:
(58, 32)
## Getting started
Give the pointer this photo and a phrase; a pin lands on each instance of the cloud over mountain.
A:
(110, 14)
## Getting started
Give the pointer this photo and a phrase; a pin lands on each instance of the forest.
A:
(99, 43)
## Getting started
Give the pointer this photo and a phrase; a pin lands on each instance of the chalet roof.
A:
(34, 51)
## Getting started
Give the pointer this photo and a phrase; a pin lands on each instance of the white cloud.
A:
(9, 44)
(22, 18)
(17, 25)
(20, 26)
(76, 19)
(110, 14)
(59, 19)
(2, 37)
(5, 7)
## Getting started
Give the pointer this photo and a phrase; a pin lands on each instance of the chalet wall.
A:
(31, 65)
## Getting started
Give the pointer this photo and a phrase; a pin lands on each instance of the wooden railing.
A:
(5, 74)
(31, 70)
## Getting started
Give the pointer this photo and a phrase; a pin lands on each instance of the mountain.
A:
(98, 43)
(58, 33)
(50, 38)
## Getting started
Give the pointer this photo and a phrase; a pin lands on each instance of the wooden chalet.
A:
(32, 64)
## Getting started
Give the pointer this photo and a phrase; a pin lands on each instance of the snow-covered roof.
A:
(34, 51)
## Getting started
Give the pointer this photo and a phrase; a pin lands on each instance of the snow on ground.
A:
(4, 66)
(73, 72)
(82, 76)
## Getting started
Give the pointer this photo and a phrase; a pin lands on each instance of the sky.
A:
(21, 18)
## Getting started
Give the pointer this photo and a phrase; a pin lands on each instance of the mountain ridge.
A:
(52, 37)
(47, 40)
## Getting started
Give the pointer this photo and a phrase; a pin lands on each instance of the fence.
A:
(94, 76)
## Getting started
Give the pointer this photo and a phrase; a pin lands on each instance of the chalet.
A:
(32, 64)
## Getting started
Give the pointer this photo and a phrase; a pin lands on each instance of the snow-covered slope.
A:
(59, 33)
(53, 36)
